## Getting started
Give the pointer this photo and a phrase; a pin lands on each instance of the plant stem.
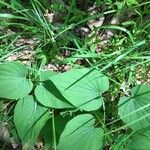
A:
(54, 131)
(104, 127)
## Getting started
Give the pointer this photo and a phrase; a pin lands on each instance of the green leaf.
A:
(48, 94)
(29, 118)
(13, 81)
(135, 142)
(82, 88)
(45, 75)
(135, 110)
(46, 134)
(139, 142)
(80, 133)
(131, 2)
(1, 5)
(16, 4)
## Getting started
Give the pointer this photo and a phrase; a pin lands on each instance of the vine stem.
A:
(54, 131)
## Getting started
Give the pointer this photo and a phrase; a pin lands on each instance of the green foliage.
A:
(135, 141)
(80, 133)
(14, 83)
(48, 94)
(16, 4)
(1, 6)
(139, 142)
(76, 89)
(82, 87)
(29, 118)
(134, 110)
(131, 2)
(89, 106)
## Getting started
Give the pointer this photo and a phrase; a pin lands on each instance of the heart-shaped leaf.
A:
(82, 87)
(29, 118)
(45, 75)
(80, 133)
(139, 142)
(135, 142)
(48, 94)
(135, 110)
(13, 81)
